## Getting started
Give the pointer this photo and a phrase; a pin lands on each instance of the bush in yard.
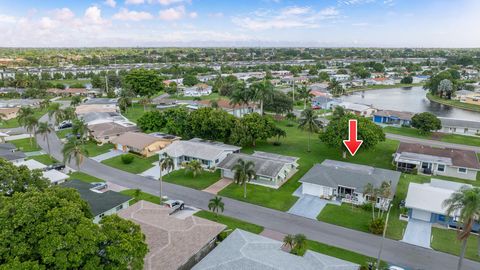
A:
(367, 206)
(376, 226)
(127, 158)
(426, 122)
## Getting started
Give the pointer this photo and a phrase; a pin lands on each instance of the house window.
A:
(462, 170)
(441, 167)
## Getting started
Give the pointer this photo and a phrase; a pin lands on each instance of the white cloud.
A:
(329, 12)
(170, 2)
(93, 14)
(354, 2)
(216, 15)
(134, 2)
(360, 24)
(63, 14)
(193, 15)
(127, 15)
(110, 3)
(47, 23)
(295, 10)
(172, 14)
(7, 19)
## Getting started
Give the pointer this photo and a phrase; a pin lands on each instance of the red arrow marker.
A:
(352, 143)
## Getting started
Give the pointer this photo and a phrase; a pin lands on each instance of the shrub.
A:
(277, 143)
(367, 206)
(127, 158)
(376, 226)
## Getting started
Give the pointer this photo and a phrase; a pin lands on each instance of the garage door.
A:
(421, 215)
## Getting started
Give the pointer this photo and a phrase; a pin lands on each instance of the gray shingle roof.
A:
(101, 101)
(332, 173)
(276, 157)
(243, 250)
(263, 166)
(197, 148)
(7, 146)
(459, 123)
(9, 155)
(99, 202)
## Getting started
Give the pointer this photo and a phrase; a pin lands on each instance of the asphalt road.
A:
(394, 251)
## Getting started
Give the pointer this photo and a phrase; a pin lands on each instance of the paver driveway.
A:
(418, 233)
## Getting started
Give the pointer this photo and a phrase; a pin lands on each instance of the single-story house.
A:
(10, 103)
(93, 118)
(236, 110)
(459, 126)
(245, 250)
(198, 90)
(357, 109)
(390, 117)
(209, 153)
(8, 113)
(325, 102)
(106, 132)
(437, 161)
(13, 156)
(272, 170)
(173, 242)
(141, 143)
(68, 91)
(461, 95)
(88, 108)
(55, 177)
(343, 181)
(101, 203)
(425, 202)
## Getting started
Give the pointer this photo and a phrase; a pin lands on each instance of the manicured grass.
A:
(25, 146)
(95, 150)
(136, 111)
(295, 144)
(139, 164)
(347, 215)
(454, 103)
(201, 181)
(450, 138)
(63, 133)
(13, 123)
(446, 241)
(231, 223)
(45, 159)
(209, 97)
(70, 82)
(84, 177)
(143, 196)
(382, 86)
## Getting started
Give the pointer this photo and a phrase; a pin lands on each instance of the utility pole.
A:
(383, 237)
(106, 84)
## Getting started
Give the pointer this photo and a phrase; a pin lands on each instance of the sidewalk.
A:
(216, 187)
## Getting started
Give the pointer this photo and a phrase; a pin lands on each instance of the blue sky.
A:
(345, 23)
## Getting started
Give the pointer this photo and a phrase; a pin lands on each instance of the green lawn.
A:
(143, 196)
(346, 215)
(231, 223)
(295, 144)
(13, 123)
(44, 159)
(84, 177)
(63, 133)
(202, 181)
(209, 97)
(382, 86)
(450, 138)
(139, 164)
(24, 145)
(454, 103)
(70, 82)
(95, 150)
(446, 241)
(136, 111)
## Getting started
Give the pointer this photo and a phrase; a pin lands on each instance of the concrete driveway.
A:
(418, 233)
(308, 206)
(110, 154)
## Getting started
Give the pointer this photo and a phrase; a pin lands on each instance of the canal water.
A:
(409, 99)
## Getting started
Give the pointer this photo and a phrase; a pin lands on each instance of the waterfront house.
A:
(198, 90)
(390, 117)
(343, 181)
(325, 103)
(358, 109)
(412, 157)
(461, 95)
(460, 126)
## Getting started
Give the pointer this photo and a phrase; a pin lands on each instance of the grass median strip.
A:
(201, 181)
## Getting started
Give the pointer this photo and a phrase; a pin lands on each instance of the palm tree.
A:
(214, 104)
(44, 128)
(74, 149)
(75, 101)
(45, 103)
(54, 109)
(23, 114)
(215, 205)
(336, 88)
(79, 129)
(372, 192)
(305, 94)
(278, 132)
(243, 173)
(194, 166)
(144, 101)
(165, 163)
(123, 103)
(263, 92)
(300, 243)
(66, 114)
(289, 241)
(31, 124)
(465, 204)
(309, 122)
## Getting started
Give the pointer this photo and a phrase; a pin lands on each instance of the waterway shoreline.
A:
(383, 87)
(454, 103)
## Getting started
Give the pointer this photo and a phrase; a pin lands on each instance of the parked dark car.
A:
(70, 135)
(65, 125)
(56, 166)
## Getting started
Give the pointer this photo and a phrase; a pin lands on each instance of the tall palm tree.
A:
(194, 166)
(465, 204)
(44, 128)
(309, 122)
(370, 190)
(79, 129)
(45, 103)
(54, 109)
(336, 88)
(243, 173)
(263, 92)
(23, 114)
(305, 94)
(31, 124)
(74, 149)
(66, 114)
(215, 205)
(76, 100)
(144, 101)
(123, 103)
(165, 163)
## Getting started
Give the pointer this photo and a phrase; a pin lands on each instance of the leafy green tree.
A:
(335, 88)
(177, 122)
(309, 122)
(76, 100)
(151, 121)
(124, 102)
(434, 81)
(211, 124)
(407, 80)
(216, 205)
(465, 204)
(194, 167)
(54, 110)
(426, 122)
(45, 129)
(445, 88)
(243, 172)
(145, 101)
(19, 179)
(190, 80)
(337, 131)
(143, 82)
(252, 127)
(323, 76)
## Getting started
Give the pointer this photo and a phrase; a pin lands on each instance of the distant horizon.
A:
(249, 23)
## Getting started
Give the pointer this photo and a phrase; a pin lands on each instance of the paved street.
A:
(394, 251)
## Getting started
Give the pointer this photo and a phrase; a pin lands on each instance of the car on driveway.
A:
(65, 124)
(56, 166)
(175, 205)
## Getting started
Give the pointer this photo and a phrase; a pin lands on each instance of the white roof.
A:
(430, 196)
(198, 149)
(354, 106)
(31, 164)
(54, 176)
